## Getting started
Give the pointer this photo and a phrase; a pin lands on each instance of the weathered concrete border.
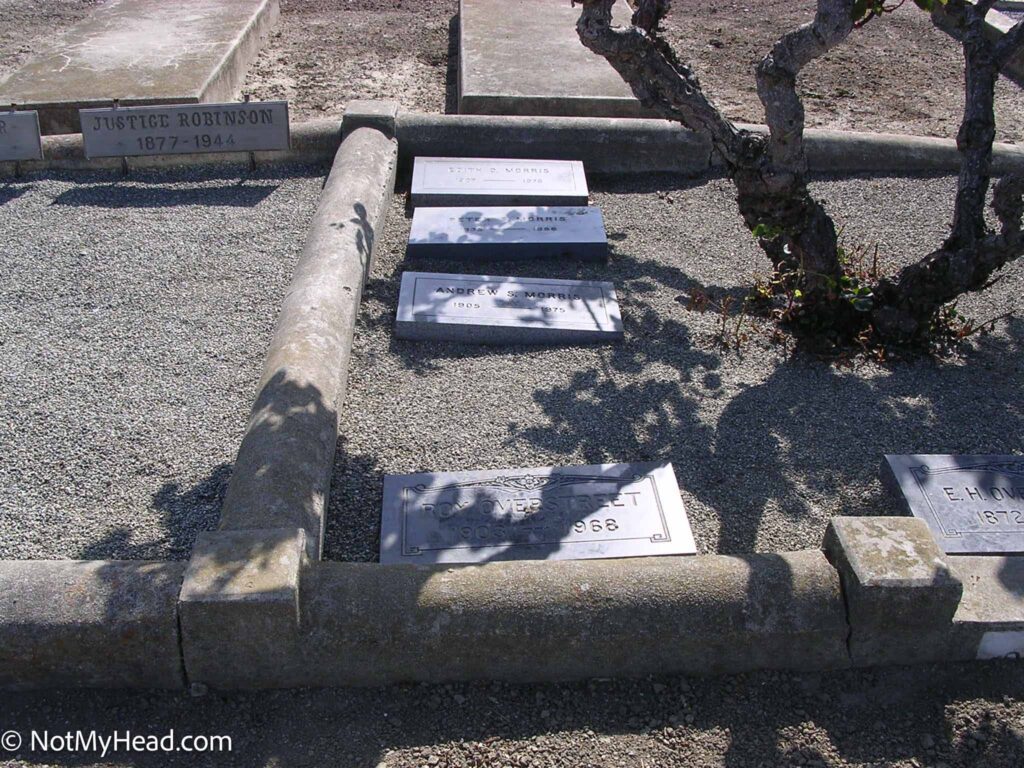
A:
(605, 145)
(283, 471)
(97, 624)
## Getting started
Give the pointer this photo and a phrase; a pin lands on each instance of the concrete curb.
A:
(605, 145)
(97, 624)
(283, 471)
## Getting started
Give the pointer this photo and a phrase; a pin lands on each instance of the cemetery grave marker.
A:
(19, 136)
(445, 181)
(506, 310)
(565, 513)
(973, 504)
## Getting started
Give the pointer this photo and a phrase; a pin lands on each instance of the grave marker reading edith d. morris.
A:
(523, 232)
(186, 128)
(506, 310)
(439, 181)
(567, 513)
(19, 136)
(973, 504)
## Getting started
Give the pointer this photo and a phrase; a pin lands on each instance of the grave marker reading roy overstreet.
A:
(564, 513)
(185, 128)
(974, 504)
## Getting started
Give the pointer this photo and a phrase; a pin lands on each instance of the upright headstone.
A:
(19, 136)
(143, 52)
(521, 232)
(567, 513)
(506, 310)
(185, 129)
(446, 181)
(974, 504)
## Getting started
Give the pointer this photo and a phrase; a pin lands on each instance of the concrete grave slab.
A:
(570, 513)
(506, 310)
(447, 181)
(143, 52)
(19, 136)
(185, 129)
(974, 504)
(524, 58)
(518, 232)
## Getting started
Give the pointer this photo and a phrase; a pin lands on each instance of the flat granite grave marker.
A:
(974, 504)
(441, 181)
(19, 136)
(506, 310)
(185, 129)
(565, 513)
(521, 232)
(143, 52)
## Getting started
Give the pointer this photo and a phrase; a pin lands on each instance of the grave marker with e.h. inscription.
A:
(974, 504)
(565, 513)
(449, 181)
(506, 310)
(249, 126)
(19, 136)
(518, 232)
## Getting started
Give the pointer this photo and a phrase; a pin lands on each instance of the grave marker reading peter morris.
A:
(522, 232)
(19, 136)
(506, 310)
(185, 128)
(973, 504)
(568, 513)
(438, 181)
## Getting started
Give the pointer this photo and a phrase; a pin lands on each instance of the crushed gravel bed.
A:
(957, 716)
(767, 444)
(136, 316)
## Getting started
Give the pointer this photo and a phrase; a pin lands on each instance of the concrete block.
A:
(282, 475)
(901, 592)
(380, 115)
(531, 62)
(143, 52)
(239, 603)
(96, 624)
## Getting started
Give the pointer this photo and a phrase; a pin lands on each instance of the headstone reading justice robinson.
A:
(185, 128)
(19, 136)
(506, 310)
(524, 232)
(973, 504)
(565, 513)
(439, 181)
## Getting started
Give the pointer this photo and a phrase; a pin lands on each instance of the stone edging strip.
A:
(605, 145)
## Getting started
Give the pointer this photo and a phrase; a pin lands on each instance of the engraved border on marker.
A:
(1009, 467)
(604, 298)
(658, 537)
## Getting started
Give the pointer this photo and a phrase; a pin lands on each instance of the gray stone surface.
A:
(98, 623)
(143, 52)
(282, 475)
(506, 310)
(441, 181)
(901, 591)
(379, 115)
(972, 503)
(518, 232)
(565, 513)
(19, 136)
(529, 61)
(185, 129)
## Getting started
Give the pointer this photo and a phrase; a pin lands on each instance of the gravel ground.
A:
(136, 315)
(815, 432)
(957, 716)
